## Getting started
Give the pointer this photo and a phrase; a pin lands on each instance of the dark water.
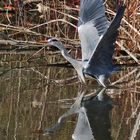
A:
(33, 96)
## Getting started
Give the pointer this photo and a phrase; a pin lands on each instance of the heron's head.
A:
(52, 41)
(55, 42)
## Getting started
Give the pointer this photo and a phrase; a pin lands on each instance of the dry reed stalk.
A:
(136, 128)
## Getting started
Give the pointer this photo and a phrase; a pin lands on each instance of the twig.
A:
(51, 21)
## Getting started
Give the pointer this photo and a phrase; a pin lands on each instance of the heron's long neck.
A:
(75, 63)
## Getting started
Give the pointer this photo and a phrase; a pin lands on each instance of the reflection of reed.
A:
(44, 96)
(127, 105)
(136, 128)
(17, 104)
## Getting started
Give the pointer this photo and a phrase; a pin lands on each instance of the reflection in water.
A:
(75, 108)
(29, 100)
(97, 115)
(93, 117)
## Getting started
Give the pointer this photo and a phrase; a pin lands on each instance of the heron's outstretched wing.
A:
(101, 59)
(91, 25)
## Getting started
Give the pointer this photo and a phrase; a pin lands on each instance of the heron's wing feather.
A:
(90, 10)
(91, 25)
(101, 58)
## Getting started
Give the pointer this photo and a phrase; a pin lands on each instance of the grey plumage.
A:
(92, 25)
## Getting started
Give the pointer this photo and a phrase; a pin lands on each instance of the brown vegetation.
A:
(26, 24)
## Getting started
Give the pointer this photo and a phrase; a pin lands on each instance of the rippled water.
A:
(33, 96)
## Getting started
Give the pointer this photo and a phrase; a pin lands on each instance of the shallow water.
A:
(33, 96)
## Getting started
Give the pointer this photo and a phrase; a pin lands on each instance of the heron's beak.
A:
(45, 40)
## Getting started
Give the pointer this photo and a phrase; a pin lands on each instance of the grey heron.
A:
(97, 38)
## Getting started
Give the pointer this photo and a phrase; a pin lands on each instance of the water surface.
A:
(34, 95)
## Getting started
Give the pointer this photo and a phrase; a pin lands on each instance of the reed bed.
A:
(27, 24)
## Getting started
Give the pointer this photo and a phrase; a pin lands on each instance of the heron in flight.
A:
(97, 38)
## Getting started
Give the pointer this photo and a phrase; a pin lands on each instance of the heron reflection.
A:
(97, 38)
(93, 117)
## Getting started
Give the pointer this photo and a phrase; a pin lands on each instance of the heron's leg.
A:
(101, 80)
